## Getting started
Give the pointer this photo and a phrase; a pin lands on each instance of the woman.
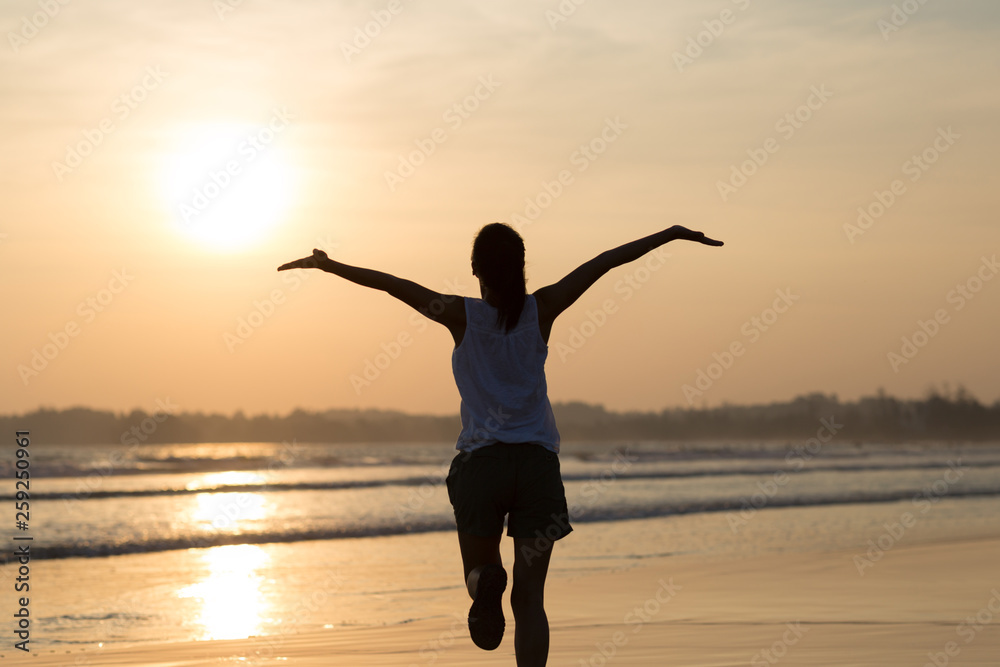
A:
(508, 464)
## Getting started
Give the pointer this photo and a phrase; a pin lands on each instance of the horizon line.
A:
(960, 394)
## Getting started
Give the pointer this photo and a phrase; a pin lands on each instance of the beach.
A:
(749, 553)
(617, 595)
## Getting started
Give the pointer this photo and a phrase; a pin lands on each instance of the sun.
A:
(228, 185)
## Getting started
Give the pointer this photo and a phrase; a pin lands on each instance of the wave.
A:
(259, 487)
(446, 524)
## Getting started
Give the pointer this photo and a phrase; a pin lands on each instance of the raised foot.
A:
(486, 621)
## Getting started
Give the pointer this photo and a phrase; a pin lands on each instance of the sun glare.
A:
(228, 185)
(232, 604)
(230, 509)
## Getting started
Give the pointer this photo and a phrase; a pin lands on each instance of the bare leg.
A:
(485, 582)
(527, 599)
(477, 552)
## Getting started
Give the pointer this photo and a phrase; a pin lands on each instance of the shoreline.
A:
(686, 586)
(806, 608)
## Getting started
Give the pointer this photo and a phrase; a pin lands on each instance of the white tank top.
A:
(501, 379)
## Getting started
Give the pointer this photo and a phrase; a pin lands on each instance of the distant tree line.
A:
(939, 416)
(878, 418)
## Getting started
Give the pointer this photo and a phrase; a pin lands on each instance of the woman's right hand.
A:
(314, 261)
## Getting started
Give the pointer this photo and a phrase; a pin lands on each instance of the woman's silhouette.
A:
(508, 464)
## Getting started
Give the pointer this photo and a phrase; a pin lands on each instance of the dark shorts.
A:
(521, 481)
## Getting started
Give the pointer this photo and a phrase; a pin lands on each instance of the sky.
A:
(158, 161)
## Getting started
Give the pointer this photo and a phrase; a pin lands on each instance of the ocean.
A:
(133, 544)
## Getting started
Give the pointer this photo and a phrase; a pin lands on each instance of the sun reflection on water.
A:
(227, 510)
(232, 602)
(229, 478)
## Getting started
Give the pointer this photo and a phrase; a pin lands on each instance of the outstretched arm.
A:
(554, 299)
(448, 309)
